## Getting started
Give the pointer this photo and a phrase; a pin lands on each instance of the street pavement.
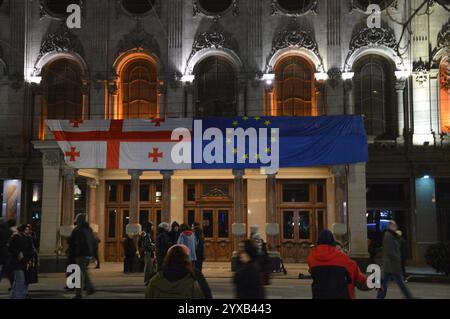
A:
(111, 283)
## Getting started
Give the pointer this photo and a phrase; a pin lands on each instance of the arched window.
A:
(374, 96)
(216, 88)
(294, 85)
(63, 90)
(445, 103)
(139, 90)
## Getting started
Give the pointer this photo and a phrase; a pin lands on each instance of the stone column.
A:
(68, 202)
(38, 121)
(348, 96)
(270, 107)
(190, 104)
(272, 228)
(166, 196)
(400, 88)
(239, 227)
(357, 207)
(242, 89)
(134, 228)
(51, 206)
(85, 89)
(92, 205)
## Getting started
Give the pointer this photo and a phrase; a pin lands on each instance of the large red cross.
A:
(156, 155)
(73, 154)
(113, 137)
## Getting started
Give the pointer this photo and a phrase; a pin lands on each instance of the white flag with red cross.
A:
(119, 144)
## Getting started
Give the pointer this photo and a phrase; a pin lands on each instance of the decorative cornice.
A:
(374, 37)
(443, 39)
(215, 38)
(294, 37)
(139, 39)
(63, 40)
(311, 7)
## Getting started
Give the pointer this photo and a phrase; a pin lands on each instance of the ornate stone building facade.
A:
(185, 58)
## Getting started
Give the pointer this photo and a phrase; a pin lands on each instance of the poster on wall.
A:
(11, 199)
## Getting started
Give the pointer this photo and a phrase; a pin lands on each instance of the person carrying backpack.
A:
(82, 245)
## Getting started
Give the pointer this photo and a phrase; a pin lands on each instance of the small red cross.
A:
(73, 154)
(155, 155)
(158, 121)
(76, 123)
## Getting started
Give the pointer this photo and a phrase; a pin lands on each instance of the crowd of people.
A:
(173, 263)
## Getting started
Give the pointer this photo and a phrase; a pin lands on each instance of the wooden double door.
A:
(116, 223)
(299, 230)
(216, 224)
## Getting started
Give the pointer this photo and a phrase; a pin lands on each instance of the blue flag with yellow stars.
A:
(277, 142)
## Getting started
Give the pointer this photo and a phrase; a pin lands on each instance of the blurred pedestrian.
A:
(148, 250)
(178, 278)
(187, 238)
(22, 253)
(403, 253)
(392, 262)
(163, 244)
(82, 250)
(96, 247)
(174, 232)
(263, 255)
(247, 279)
(199, 246)
(334, 274)
(129, 250)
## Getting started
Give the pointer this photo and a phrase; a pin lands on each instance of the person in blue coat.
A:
(187, 238)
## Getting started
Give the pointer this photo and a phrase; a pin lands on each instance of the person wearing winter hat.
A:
(163, 244)
(334, 273)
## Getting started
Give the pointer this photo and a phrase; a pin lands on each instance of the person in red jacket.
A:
(334, 273)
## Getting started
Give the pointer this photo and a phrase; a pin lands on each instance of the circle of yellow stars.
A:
(236, 123)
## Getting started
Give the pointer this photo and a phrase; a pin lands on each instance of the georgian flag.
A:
(120, 144)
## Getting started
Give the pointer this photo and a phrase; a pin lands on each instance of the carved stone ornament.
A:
(215, 38)
(373, 38)
(294, 37)
(421, 70)
(63, 40)
(312, 6)
(140, 39)
(334, 75)
(443, 39)
(51, 159)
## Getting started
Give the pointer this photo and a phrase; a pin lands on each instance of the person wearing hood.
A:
(178, 278)
(187, 238)
(199, 246)
(174, 232)
(247, 279)
(392, 262)
(334, 273)
(82, 245)
(163, 244)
